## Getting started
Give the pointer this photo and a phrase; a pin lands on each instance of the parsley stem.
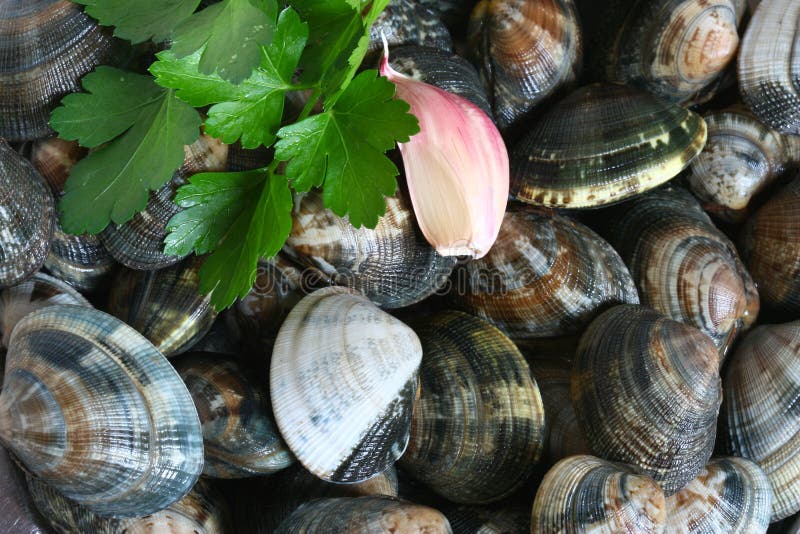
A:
(312, 101)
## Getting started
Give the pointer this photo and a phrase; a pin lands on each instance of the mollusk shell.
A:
(584, 494)
(54, 159)
(239, 435)
(524, 50)
(646, 391)
(46, 47)
(478, 426)
(636, 143)
(343, 380)
(546, 275)
(407, 22)
(759, 416)
(27, 217)
(80, 260)
(483, 520)
(19, 512)
(93, 409)
(730, 495)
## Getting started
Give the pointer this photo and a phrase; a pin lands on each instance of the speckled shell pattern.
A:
(203, 511)
(27, 217)
(46, 47)
(139, 243)
(19, 512)
(364, 515)
(584, 494)
(546, 275)
(478, 426)
(165, 306)
(93, 409)
(729, 495)
(392, 264)
(239, 435)
(636, 143)
(524, 51)
(489, 520)
(343, 380)
(769, 64)
(683, 265)
(408, 22)
(770, 245)
(759, 416)
(646, 391)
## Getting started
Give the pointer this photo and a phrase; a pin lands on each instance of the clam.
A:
(760, 421)
(585, 494)
(546, 275)
(478, 427)
(683, 265)
(769, 65)
(392, 265)
(524, 50)
(407, 22)
(646, 391)
(27, 216)
(46, 48)
(636, 143)
(239, 435)
(364, 515)
(729, 495)
(343, 379)
(139, 243)
(94, 410)
(482, 520)
(165, 306)
(80, 260)
(454, 13)
(54, 158)
(19, 512)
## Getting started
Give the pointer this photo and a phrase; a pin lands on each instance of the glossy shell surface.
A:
(408, 22)
(80, 260)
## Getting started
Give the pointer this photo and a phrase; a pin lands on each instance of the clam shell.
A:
(46, 47)
(343, 379)
(27, 215)
(54, 159)
(646, 391)
(478, 427)
(94, 410)
(407, 22)
(587, 494)
(546, 275)
(481, 520)
(19, 512)
(636, 143)
(80, 260)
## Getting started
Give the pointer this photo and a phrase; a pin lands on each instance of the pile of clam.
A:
(626, 358)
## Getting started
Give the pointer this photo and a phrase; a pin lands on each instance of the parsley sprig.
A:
(237, 60)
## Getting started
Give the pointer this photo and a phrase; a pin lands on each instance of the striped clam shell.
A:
(546, 275)
(484, 520)
(683, 265)
(364, 515)
(80, 260)
(239, 435)
(729, 495)
(646, 391)
(524, 50)
(584, 494)
(54, 158)
(393, 264)
(343, 380)
(407, 22)
(478, 426)
(93, 409)
(760, 420)
(19, 512)
(46, 46)
(27, 217)
(636, 143)
(769, 64)
(165, 306)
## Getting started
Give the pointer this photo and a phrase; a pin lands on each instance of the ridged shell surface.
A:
(546, 275)
(760, 418)
(54, 159)
(19, 512)
(27, 216)
(408, 22)
(478, 426)
(343, 380)
(584, 494)
(46, 46)
(636, 143)
(485, 520)
(93, 409)
(239, 436)
(729, 495)
(80, 260)
(646, 391)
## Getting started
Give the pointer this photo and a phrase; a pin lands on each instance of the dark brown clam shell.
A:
(19, 514)
(54, 159)
(407, 22)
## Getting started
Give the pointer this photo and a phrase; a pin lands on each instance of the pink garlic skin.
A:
(456, 168)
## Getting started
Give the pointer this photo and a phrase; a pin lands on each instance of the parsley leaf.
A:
(342, 149)
(229, 34)
(147, 128)
(147, 19)
(251, 111)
